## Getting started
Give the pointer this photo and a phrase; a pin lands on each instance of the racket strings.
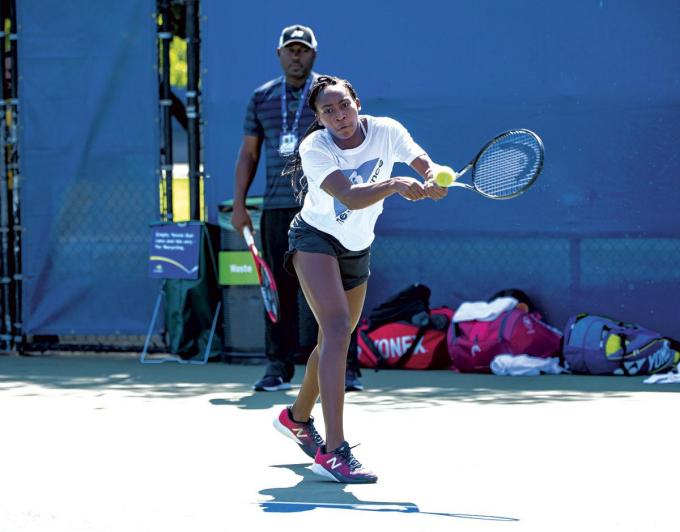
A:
(508, 165)
(271, 302)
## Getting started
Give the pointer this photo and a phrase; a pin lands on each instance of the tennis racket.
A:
(270, 296)
(505, 168)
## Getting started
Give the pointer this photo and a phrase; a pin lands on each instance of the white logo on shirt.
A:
(376, 171)
(356, 177)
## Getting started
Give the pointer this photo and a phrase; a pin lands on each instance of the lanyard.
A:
(284, 107)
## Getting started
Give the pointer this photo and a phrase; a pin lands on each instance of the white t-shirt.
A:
(386, 142)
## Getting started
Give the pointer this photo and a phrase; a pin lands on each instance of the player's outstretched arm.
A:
(362, 195)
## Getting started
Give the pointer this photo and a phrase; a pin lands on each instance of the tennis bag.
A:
(597, 345)
(404, 333)
(402, 306)
(474, 344)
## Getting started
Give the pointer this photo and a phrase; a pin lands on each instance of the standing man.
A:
(278, 115)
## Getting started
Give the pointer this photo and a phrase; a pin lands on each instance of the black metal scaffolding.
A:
(11, 331)
(165, 100)
(193, 108)
(179, 18)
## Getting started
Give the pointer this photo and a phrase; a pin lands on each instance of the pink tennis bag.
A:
(474, 344)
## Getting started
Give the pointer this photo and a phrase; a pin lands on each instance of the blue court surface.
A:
(102, 443)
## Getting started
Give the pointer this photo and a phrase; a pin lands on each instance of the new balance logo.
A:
(334, 463)
(300, 433)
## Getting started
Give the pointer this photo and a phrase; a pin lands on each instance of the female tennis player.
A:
(342, 174)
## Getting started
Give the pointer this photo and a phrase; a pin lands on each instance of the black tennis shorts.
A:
(354, 265)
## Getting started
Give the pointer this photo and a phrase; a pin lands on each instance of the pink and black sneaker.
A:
(304, 434)
(341, 466)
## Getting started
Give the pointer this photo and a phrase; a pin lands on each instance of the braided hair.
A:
(293, 167)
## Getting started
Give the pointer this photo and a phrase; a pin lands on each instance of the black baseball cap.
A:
(297, 33)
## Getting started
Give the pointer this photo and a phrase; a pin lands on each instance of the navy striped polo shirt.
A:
(263, 119)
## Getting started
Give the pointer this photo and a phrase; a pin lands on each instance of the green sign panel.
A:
(237, 268)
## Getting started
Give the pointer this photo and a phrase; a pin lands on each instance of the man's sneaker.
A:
(304, 434)
(341, 466)
(271, 383)
(276, 377)
(352, 381)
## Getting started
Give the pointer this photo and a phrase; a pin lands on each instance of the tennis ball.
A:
(444, 176)
(613, 344)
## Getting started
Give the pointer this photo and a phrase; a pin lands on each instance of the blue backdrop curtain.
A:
(89, 152)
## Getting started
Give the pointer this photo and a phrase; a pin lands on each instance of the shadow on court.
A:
(414, 389)
(122, 373)
(312, 493)
(231, 384)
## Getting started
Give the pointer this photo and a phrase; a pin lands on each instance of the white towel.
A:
(483, 311)
(672, 377)
(525, 365)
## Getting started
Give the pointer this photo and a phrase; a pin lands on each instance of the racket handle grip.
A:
(248, 236)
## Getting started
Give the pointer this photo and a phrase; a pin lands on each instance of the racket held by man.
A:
(270, 296)
(505, 168)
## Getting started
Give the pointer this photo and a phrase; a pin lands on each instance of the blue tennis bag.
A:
(596, 345)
